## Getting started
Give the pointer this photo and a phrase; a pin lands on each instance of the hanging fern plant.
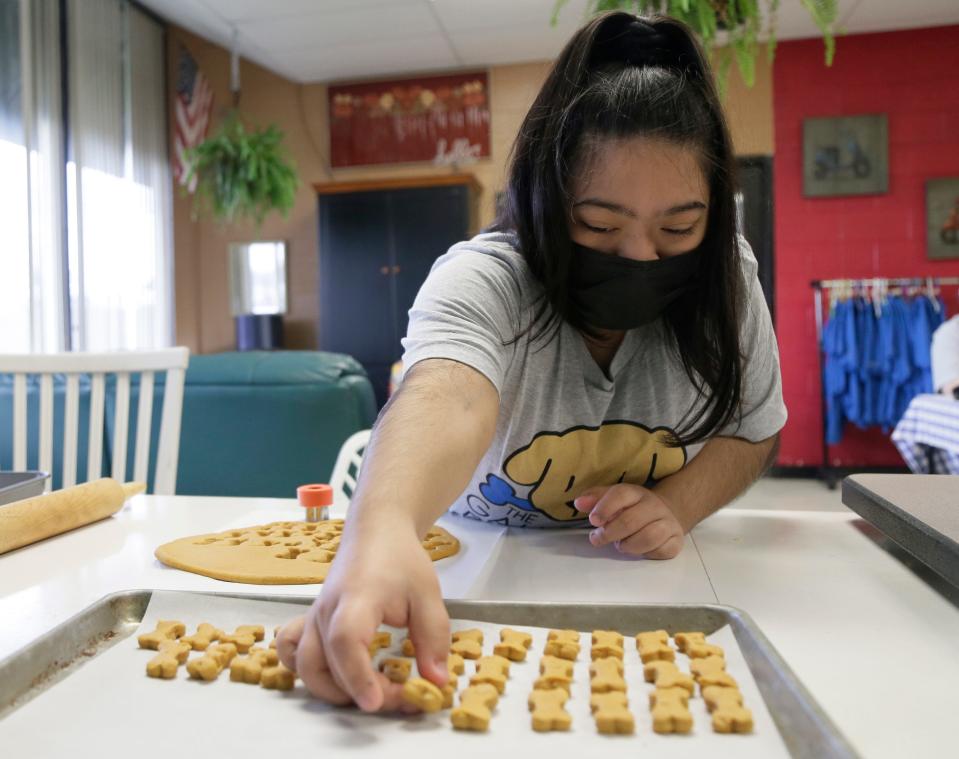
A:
(242, 174)
(740, 20)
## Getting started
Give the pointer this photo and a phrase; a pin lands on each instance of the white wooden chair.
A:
(346, 470)
(97, 365)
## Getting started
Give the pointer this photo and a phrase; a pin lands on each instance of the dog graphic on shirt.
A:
(559, 466)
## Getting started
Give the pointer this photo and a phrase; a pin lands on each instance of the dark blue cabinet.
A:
(376, 248)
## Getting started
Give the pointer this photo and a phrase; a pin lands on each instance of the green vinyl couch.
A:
(254, 423)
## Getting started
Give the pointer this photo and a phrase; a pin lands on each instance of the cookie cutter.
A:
(316, 499)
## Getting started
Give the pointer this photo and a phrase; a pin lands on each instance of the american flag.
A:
(194, 104)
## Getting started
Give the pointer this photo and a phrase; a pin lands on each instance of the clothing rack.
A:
(878, 285)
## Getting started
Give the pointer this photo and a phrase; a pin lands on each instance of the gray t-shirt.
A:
(564, 425)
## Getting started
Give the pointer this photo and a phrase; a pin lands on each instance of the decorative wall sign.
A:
(846, 155)
(942, 218)
(439, 119)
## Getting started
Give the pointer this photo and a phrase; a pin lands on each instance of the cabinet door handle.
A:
(396, 270)
(384, 270)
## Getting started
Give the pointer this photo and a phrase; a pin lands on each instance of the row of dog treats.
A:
(669, 702)
(218, 650)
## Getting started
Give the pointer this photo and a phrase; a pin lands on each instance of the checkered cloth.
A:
(927, 436)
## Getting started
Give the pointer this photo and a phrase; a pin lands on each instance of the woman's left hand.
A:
(634, 519)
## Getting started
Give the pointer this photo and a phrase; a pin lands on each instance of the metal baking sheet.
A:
(804, 728)
(15, 486)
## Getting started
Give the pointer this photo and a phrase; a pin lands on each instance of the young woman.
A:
(603, 358)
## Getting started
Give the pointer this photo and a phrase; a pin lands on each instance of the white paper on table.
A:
(459, 575)
(111, 705)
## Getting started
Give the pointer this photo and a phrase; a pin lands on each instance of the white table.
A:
(876, 647)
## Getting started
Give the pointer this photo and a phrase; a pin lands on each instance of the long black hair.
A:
(622, 76)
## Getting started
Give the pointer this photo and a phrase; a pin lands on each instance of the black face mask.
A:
(611, 292)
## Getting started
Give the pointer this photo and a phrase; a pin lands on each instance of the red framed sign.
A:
(438, 119)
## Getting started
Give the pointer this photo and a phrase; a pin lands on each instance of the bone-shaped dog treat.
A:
(267, 656)
(471, 634)
(548, 708)
(423, 694)
(278, 678)
(609, 664)
(211, 664)
(513, 644)
(681, 693)
(555, 664)
(717, 679)
(449, 692)
(670, 714)
(493, 670)
(654, 646)
(249, 669)
(606, 643)
(205, 634)
(651, 639)
(607, 675)
(172, 653)
(467, 648)
(276, 634)
(408, 648)
(396, 670)
(382, 639)
(243, 640)
(730, 717)
(611, 713)
(455, 664)
(715, 695)
(563, 644)
(554, 673)
(256, 631)
(683, 639)
(474, 710)
(702, 650)
(667, 675)
(165, 630)
(708, 666)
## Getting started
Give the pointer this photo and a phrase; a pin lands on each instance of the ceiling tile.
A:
(382, 58)
(320, 29)
(461, 15)
(509, 44)
(247, 10)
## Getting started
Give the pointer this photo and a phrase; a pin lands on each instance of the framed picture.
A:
(444, 120)
(845, 155)
(942, 218)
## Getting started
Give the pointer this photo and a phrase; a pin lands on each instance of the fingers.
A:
(668, 550)
(613, 501)
(350, 632)
(288, 640)
(628, 522)
(430, 632)
(660, 539)
(311, 666)
(588, 499)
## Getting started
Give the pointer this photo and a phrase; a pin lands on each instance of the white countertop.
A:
(875, 646)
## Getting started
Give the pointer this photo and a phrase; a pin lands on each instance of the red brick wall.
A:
(913, 77)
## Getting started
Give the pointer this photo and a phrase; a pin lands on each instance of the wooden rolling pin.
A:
(32, 519)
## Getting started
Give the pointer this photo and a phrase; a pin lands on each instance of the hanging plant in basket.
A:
(242, 174)
(736, 23)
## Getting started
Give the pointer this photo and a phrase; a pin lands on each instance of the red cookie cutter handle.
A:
(316, 499)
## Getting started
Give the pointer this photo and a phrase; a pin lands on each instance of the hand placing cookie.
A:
(634, 519)
(329, 648)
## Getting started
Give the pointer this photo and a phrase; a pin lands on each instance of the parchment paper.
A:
(110, 706)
